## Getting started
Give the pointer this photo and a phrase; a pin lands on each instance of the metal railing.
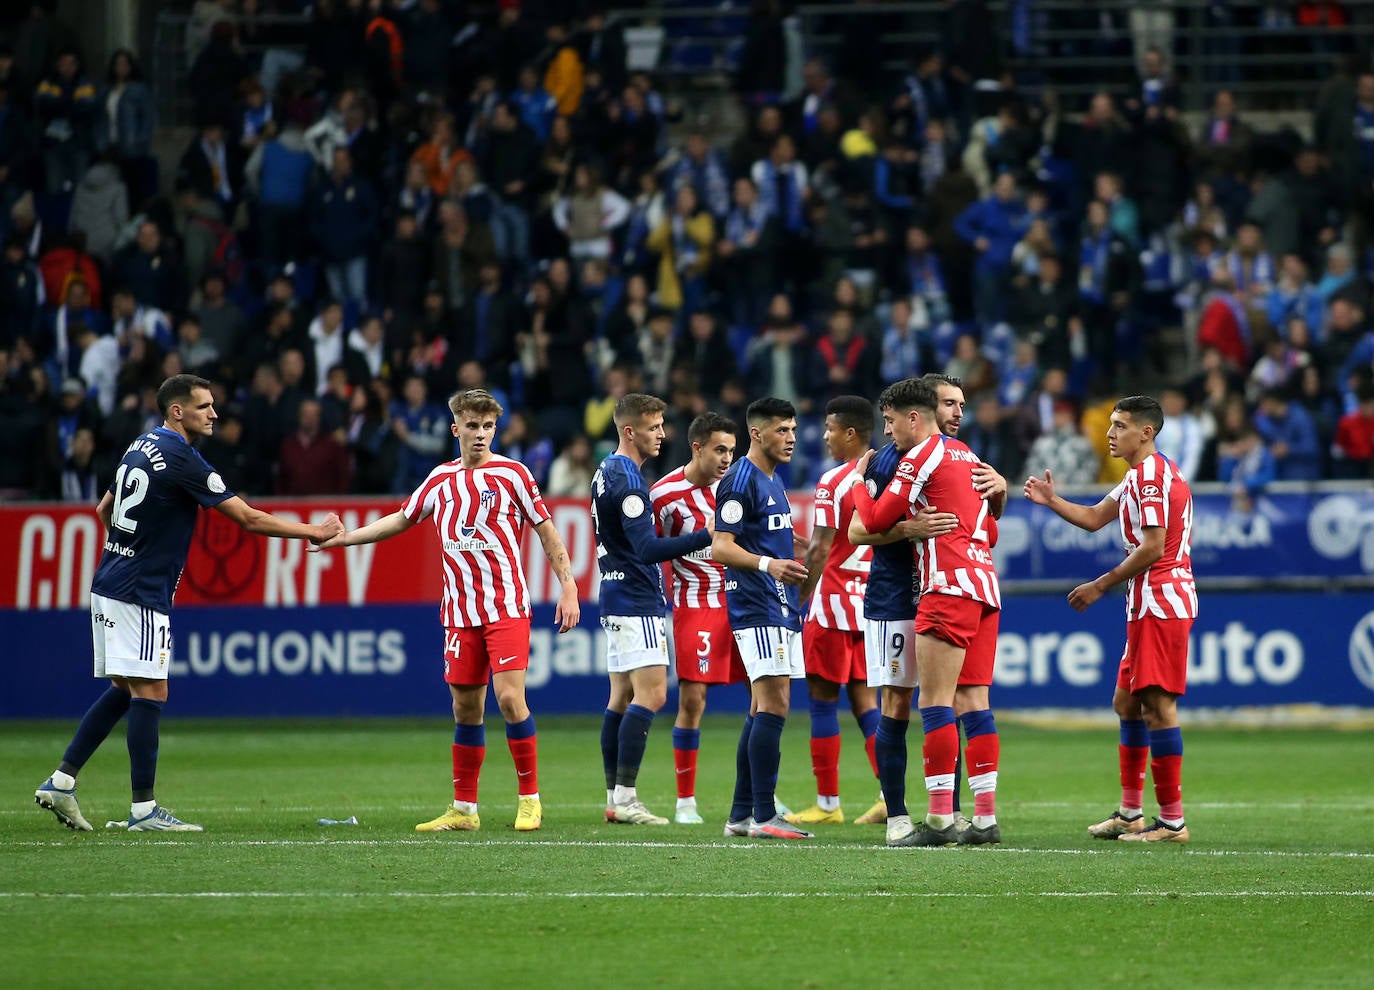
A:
(1036, 40)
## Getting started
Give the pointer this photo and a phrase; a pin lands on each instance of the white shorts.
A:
(634, 641)
(770, 651)
(890, 649)
(130, 640)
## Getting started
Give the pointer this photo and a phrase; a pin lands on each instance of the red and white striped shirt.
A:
(681, 507)
(1154, 493)
(939, 471)
(478, 514)
(838, 602)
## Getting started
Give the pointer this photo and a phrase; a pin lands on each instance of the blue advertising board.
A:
(1260, 648)
(1284, 535)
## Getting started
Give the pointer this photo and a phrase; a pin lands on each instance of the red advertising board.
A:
(48, 554)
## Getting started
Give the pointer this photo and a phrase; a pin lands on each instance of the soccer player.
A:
(1155, 509)
(832, 637)
(755, 543)
(957, 617)
(479, 504)
(628, 553)
(890, 603)
(149, 514)
(684, 501)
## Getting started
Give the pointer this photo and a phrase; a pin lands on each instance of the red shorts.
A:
(471, 653)
(1156, 655)
(834, 654)
(705, 646)
(966, 623)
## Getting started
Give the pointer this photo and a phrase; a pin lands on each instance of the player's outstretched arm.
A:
(1137, 562)
(728, 553)
(374, 532)
(266, 524)
(1090, 517)
(568, 612)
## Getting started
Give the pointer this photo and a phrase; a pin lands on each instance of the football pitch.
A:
(1276, 888)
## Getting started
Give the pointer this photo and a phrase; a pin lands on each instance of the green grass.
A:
(1275, 888)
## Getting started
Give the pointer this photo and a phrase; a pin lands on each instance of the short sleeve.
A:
(826, 507)
(1152, 510)
(202, 481)
(531, 498)
(732, 506)
(420, 504)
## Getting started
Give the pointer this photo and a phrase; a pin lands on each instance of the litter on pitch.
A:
(350, 820)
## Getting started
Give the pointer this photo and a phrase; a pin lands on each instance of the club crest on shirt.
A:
(488, 498)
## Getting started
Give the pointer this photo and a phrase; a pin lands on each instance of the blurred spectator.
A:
(440, 154)
(992, 226)
(100, 209)
(79, 482)
(570, 474)
(901, 345)
(1046, 312)
(404, 272)
(590, 214)
(1245, 466)
(1224, 144)
(127, 126)
(423, 430)
(747, 250)
(278, 175)
(683, 242)
(428, 37)
(21, 295)
(1291, 436)
(1225, 324)
(509, 157)
(60, 340)
(987, 434)
(1182, 438)
(848, 365)
(968, 365)
(343, 217)
(489, 325)
(1293, 296)
(221, 320)
(152, 271)
(365, 356)
(98, 366)
(1353, 450)
(706, 351)
(460, 251)
(328, 338)
(312, 462)
(197, 354)
(66, 105)
(231, 456)
(1063, 451)
(217, 72)
(522, 441)
(779, 361)
(701, 167)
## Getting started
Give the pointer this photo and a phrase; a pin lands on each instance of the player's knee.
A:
(512, 705)
(652, 698)
(897, 704)
(691, 704)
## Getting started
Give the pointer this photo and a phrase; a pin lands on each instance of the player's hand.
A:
(711, 523)
(1084, 595)
(329, 544)
(800, 545)
(1040, 490)
(568, 612)
(861, 466)
(331, 527)
(929, 522)
(788, 571)
(987, 482)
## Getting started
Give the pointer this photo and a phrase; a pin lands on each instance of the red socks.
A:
(825, 764)
(525, 754)
(467, 768)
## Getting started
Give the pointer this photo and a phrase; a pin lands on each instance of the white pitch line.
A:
(317, 810)
(677, 895)
(745, 846)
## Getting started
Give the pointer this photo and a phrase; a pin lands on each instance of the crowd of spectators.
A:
(425, 201)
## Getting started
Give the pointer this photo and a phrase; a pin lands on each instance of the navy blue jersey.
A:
(628, 547)
(755, 509)
(892, 581)
(160, 484)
